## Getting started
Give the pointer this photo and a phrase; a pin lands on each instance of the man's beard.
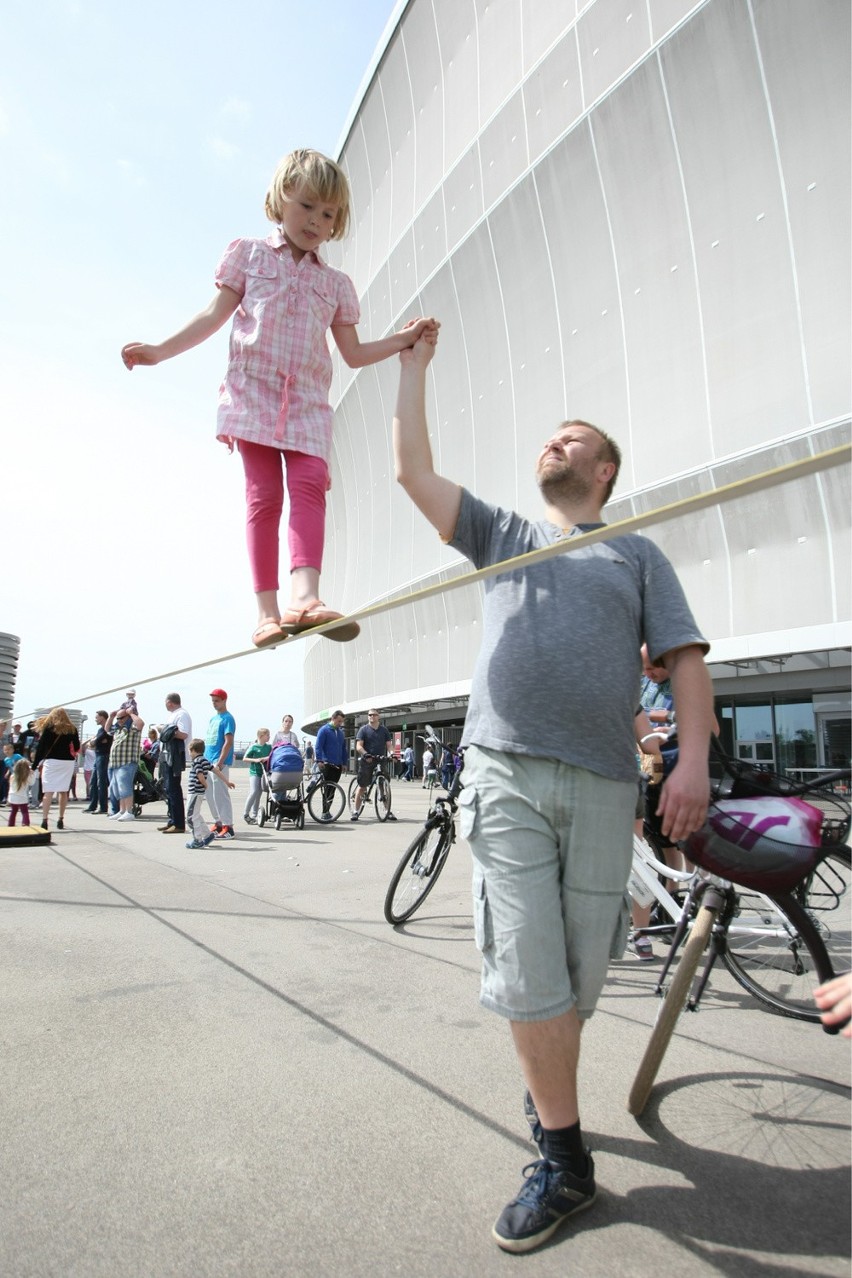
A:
(559, 482)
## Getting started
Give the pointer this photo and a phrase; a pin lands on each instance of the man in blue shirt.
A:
(655, 691)
(331, 757)
(219, 749)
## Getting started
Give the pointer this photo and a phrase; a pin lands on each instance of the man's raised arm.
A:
(439, 499)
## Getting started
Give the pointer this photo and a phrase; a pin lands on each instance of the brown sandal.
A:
(295, 620)
(268, 634)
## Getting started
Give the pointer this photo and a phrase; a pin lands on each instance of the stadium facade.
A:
(634, 213)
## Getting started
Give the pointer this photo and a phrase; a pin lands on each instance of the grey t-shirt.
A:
(559, 668)
(376, 740)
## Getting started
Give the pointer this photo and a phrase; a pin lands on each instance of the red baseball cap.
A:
(219, 692)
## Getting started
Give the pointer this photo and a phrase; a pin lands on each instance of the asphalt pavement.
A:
(224, 1062)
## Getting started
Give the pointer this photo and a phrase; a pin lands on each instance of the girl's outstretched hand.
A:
(139, 353)
(417, 328)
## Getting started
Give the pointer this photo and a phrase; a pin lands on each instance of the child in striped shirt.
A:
(199, 768)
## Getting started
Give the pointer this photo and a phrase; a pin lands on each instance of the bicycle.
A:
(379, 790)
(759, 937)
(324, 797)
(425, 857)
(772, 897)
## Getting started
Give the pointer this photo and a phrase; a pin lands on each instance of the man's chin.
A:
(562, 485)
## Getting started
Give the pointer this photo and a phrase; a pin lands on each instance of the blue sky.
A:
(136, 143)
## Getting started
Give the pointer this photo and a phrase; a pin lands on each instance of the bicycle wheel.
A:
(417, 872)
(772, 954)
(826, 895)
(350, 796)
(337, 801)
(671, 1007)
(382, 799)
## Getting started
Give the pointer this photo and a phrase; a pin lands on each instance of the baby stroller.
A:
(283, 791)
(146, 787)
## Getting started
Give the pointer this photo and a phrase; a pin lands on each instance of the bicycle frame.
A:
(644, 875)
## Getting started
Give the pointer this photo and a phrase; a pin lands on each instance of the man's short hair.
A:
(174, 697)
(338, 714)
(610, 452)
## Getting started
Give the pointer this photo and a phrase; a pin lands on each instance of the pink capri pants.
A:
(307, 484)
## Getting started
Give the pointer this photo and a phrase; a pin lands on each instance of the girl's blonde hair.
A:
(325, 179)
(57, 722)
(21, 774)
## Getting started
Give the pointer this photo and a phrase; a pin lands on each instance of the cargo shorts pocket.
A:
(483, 929)
(468, 807)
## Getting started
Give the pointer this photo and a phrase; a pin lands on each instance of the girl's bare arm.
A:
(204, 325)
(358, 354)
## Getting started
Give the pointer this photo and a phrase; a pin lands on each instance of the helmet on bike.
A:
(768, 843)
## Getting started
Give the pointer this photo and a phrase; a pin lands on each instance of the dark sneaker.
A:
(205, 843)
(531, 1115)
(548, 1196)
(390, 817)
(225, 833)
(643, 949)
(354, 816)
(326, 816)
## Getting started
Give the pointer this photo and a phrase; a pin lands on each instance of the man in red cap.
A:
(219, 749)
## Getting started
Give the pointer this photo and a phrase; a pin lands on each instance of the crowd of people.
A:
(42, 762)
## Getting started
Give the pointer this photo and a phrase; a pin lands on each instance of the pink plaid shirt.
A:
(275, 391)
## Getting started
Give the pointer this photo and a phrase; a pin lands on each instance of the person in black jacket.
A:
(58, 747)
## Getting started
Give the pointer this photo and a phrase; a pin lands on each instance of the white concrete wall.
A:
(630, 211)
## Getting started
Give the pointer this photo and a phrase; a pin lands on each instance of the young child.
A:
(198, 769)
(128, 706)
(10, 758)
(256, 754)
(88, 767)
(19, 784)
(273, 402)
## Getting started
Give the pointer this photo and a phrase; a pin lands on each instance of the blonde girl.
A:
(256, 757)
(19, 792)
(273, 403)
(57, 749)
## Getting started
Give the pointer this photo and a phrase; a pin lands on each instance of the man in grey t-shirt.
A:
(550, 772)
(371, 746)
